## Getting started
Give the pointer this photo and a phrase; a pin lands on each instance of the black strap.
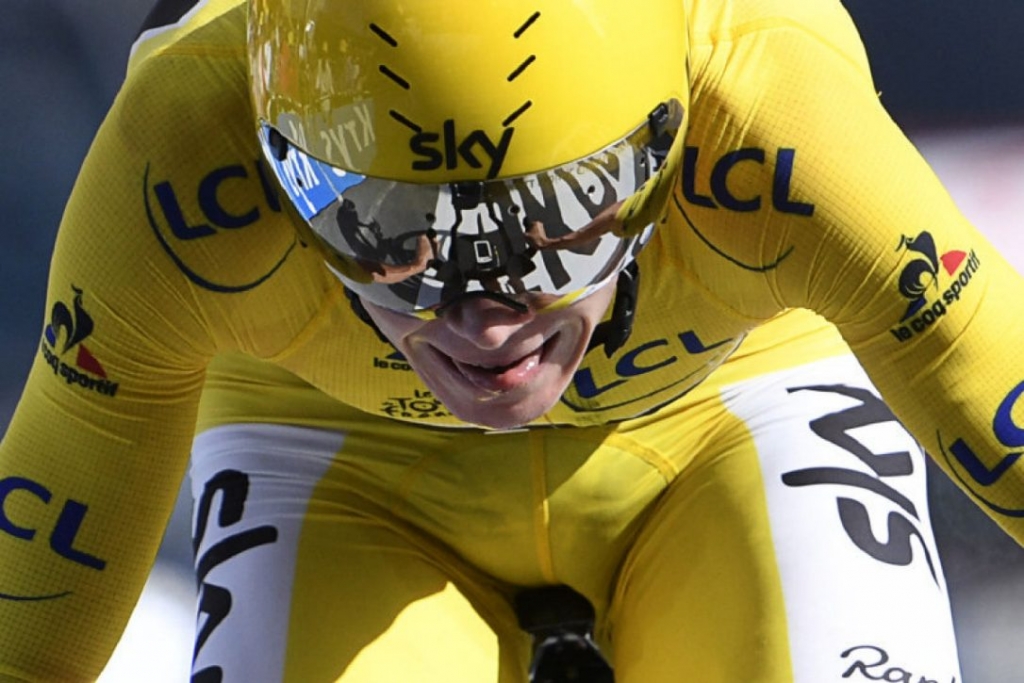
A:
(613, 333)
(357, 307)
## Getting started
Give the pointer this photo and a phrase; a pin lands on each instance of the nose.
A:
(485, 322)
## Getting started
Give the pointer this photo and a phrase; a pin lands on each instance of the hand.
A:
(604, 222)
(390, 274)
(537, 236)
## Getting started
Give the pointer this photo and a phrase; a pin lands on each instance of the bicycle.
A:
(561, 622)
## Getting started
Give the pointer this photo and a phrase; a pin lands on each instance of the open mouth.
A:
(502, 378)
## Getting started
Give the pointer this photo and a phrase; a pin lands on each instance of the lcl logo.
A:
(1009, 434)
(62, 533)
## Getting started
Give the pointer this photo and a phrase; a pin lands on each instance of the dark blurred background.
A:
(949, 71)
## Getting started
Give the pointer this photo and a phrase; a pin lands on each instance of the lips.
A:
(497, 379)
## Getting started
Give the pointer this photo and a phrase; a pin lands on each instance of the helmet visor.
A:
(417, 248)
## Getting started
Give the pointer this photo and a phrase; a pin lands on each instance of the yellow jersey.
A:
(803, 225)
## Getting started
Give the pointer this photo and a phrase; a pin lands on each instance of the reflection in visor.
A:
(419, 247)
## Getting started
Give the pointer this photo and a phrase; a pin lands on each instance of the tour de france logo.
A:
(422, 405)
(66, 332)
(923, 279)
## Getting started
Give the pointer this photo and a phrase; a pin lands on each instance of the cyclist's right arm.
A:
(92, 461)
(93, 458)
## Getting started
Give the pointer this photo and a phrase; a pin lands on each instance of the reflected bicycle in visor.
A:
(417, 248)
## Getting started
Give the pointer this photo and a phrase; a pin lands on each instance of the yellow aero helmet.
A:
(491, 148)
(422, 91)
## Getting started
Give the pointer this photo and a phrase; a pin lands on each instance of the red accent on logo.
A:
(951, 260)
(88, 362)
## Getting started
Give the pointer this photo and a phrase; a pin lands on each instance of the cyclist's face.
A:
(491, 365)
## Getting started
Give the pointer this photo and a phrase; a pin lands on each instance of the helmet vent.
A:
(390, 40)
(516, 114)
(404, 84)
(518, 71)
(527, 24)
(521, 68)
(411, 125)
(384, 35)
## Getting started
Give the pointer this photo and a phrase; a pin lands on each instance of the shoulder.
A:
(717, 24)
(181, 25)
(174, 192)
(191, 70)
(181, 132)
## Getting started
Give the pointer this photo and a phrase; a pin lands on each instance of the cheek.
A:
(570, 348)
(394, 326)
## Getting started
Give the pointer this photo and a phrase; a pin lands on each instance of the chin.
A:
(499, 419)
(501, 412)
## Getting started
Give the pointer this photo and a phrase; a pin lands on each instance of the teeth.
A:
(496, 368)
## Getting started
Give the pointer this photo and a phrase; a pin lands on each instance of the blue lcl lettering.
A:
(209, 201)
(62, 538)
(1009, 434)
(723, 196)
(630, 365)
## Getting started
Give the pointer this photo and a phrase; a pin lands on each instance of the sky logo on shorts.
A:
(920, 283)
(874, 478)
(74, 325)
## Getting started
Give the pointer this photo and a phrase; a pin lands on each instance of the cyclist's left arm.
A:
(853, 224)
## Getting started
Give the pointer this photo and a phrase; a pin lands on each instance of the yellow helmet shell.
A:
(429, 92)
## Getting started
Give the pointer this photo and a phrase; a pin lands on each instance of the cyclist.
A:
(450, 305)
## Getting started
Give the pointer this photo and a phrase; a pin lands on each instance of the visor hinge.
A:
(663, 123)
(278, 143)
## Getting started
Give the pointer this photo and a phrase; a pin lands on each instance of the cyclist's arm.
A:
(854, 225)
(93, 458)
(92, 461)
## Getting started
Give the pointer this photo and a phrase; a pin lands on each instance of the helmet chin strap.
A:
(611, 333)
(357, 307)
